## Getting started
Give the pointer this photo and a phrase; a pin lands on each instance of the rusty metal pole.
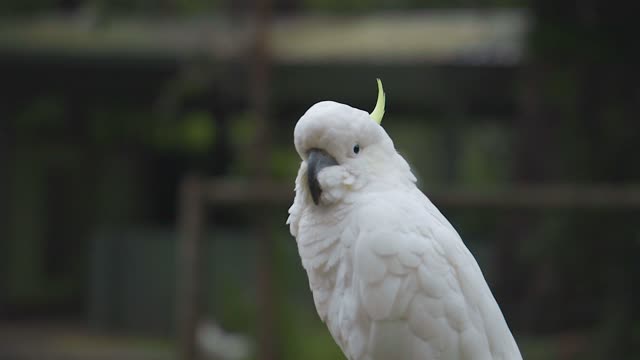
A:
(191, 215)
(259, 87)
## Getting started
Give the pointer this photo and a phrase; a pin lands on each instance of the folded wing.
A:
(423, 292)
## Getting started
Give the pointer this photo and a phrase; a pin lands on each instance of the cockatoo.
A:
(390, 277)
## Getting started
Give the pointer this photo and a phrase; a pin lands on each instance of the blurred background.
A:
(147, 164)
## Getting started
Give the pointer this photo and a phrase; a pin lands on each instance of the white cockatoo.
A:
(390, 276)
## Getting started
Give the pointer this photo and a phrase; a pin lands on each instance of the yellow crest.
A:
(378, 111)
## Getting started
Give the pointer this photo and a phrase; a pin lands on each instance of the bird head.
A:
(343, 149)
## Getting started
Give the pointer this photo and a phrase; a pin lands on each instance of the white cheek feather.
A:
(335, 182)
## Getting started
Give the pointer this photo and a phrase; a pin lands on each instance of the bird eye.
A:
(356, 148)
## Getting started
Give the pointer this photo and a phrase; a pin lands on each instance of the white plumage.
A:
(390, 276)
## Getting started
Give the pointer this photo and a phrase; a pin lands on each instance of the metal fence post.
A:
(191, 215)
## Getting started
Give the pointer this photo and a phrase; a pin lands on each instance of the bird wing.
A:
(421, 290)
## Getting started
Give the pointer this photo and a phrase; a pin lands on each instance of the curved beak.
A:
(316, 161)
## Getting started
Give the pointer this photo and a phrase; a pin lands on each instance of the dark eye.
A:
(356, 148)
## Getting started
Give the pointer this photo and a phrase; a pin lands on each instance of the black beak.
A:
(316, 161)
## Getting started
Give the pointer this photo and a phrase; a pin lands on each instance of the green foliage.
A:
(28, 225)
(197, 6)
(484, 156)
(237, 309)
(194, 133)
(109, 125)
(358, 6)
(421, 145)
(26, 6)
(306, 336)
(179, 7)
(539, 348)
(338, 5)
(284, 163)
(194, 7)
(43, 116)
(242, 129)
(198, 132)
